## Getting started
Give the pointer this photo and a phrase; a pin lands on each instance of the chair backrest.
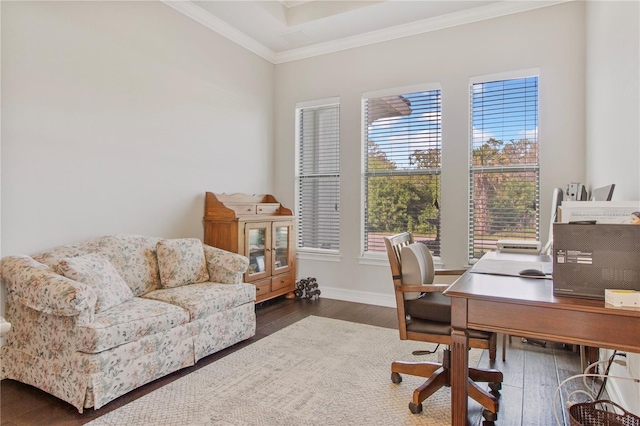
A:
(394, 245)
(413, 273)
(411, 263)
(423, 271)
(416, 264)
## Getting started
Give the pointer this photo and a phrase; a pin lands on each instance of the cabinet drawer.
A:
(243, 209)
(270, 209)
(282, 281)
(262, 287)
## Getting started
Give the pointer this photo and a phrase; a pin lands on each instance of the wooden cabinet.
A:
(260, 228)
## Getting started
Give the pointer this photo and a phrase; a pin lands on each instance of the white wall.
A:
(613, 101)
(118, 116)
(551, 39)
(613, 131)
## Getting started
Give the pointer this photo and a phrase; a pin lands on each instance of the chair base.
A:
(439, 375)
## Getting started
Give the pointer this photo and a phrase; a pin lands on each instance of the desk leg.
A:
(459, 362)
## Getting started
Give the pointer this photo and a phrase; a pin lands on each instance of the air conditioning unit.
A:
(518, 246)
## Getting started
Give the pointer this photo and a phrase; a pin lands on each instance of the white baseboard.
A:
(369, 298)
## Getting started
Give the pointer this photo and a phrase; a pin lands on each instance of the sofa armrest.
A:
(224, 266)
(37, 286)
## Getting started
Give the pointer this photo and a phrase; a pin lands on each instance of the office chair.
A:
(424, 314)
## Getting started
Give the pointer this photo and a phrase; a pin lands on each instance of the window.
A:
(504, 163)
(318, 174)
(402, 165)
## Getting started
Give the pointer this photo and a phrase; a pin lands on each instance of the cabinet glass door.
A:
(281, 246)
(258, 245)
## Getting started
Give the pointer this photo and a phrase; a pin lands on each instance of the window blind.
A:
(318, 177)
(402, 166)
(504, 163)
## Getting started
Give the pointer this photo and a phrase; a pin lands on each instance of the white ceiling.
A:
(286, 30)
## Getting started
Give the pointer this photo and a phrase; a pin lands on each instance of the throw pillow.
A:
(181, 262)
(97, 272)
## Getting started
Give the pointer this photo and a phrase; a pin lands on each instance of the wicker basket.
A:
(586, 414)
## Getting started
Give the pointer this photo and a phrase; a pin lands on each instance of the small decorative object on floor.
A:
(307, 288)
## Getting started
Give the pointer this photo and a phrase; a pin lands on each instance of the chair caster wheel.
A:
(489, 417)
(415, 409)
(396, 378)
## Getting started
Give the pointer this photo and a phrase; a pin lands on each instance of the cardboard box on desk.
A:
(622, 298)
(587, 259)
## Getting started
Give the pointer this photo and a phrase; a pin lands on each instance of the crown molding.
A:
(477, 14)
(216, 24)
(493, 10)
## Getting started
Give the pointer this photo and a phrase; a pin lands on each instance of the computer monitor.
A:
(604, 193)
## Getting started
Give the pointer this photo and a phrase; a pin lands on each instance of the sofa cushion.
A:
(97, 272)
(181, 262)
(128, 322)
(205, 299)
(133, 256)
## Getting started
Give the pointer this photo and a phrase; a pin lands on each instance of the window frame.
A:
(378, 257)
(312, 252)
(535, 168)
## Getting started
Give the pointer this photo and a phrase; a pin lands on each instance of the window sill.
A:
(381, 259)
(317, 255)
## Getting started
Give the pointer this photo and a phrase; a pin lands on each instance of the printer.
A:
(589, 258)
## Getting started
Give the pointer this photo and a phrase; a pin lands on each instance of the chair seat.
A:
(430, 306)
(435, 310)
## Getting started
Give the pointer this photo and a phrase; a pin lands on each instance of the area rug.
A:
(318, 371)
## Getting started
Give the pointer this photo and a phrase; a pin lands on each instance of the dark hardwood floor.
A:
(531, 373)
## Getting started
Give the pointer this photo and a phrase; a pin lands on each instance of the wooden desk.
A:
(527, 307)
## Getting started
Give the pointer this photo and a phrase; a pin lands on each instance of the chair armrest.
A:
(37, 286)
(224, 266)
(449, 271)
(423, 288)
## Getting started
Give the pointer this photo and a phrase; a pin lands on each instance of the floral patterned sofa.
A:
(93, 320)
